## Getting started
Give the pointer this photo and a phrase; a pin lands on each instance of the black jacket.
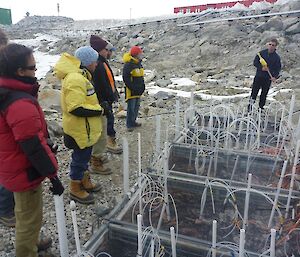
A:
(133, 77)
(273, 61)
(102, 84)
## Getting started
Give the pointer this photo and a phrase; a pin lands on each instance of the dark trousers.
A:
(263, 84)
(133, 106)
(7, 202)
(110, 123)
(80, 162)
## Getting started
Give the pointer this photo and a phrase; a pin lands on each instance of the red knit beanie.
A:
(97, 43)
(135, 50)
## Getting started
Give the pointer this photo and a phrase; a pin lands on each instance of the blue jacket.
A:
(273, 61)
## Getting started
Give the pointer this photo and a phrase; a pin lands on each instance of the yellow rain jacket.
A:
(133, 77)
(78, 91)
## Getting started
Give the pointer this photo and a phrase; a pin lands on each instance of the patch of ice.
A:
(118, 78)
(212, 80)
(152, 90)
(274, 91)
(44, 61)
(35, 42)
(183, 82)
(147, 72)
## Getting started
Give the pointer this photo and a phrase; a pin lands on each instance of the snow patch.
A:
(44, 61)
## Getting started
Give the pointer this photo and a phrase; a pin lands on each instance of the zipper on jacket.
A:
(88, 128)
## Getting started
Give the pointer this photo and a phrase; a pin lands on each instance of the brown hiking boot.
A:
(112, 146)
(44, 244)
(88, 185)
(78, 194)
(97, 167)
(9, 220)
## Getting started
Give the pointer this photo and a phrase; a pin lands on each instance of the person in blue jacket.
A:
(268, 66)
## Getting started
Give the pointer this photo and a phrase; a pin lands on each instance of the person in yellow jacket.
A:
(81, 117)
(133, 77)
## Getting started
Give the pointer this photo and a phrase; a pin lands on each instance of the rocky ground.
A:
(216, 56)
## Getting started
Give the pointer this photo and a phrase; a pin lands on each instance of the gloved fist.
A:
(57, 188)
(53, 147)
(106, 108)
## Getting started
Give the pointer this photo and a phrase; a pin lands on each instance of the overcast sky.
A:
(97, 9)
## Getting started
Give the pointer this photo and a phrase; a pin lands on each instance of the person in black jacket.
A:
(133, 77)
(107, 94)
(268, 66)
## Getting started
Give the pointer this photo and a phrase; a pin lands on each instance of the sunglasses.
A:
(32, 67)
(271, 44)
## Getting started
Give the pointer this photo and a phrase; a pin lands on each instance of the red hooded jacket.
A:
(25, 157)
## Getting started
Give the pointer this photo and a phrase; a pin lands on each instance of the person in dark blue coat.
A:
(268, 66)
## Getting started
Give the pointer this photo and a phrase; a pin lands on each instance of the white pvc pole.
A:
(140, 172)
(74, 220)
(292, 179)
(258, 126)
(166, 169)
(291, 111)
(277, 193)
(247, 198)
(192, 113)
(152, 249)
(140, 235)
(214, 239)
(177, 118)
(248, 132)
(280, 130)
(61, 225)
(272, 245)
(298, 129)
(173, 241)
(163, 209)
(125, 166)
(242, 243)
(139, 153)
(157, 138)
(293, 213)
(234, 169)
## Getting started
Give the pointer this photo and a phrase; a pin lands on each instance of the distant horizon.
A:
(94, 10)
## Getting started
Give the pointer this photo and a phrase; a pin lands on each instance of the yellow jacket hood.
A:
(127, 58)
(66, 64)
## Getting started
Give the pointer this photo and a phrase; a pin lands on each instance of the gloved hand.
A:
(106, 108)
(57, 188)
(53, 147)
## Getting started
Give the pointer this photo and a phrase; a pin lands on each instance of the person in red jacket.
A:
(25, 156)
(7, 204)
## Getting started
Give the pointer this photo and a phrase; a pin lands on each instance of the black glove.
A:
(52, 146)
(57, 188)
(106, 108)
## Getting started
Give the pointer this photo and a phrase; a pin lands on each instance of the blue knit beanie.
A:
(87, 55)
